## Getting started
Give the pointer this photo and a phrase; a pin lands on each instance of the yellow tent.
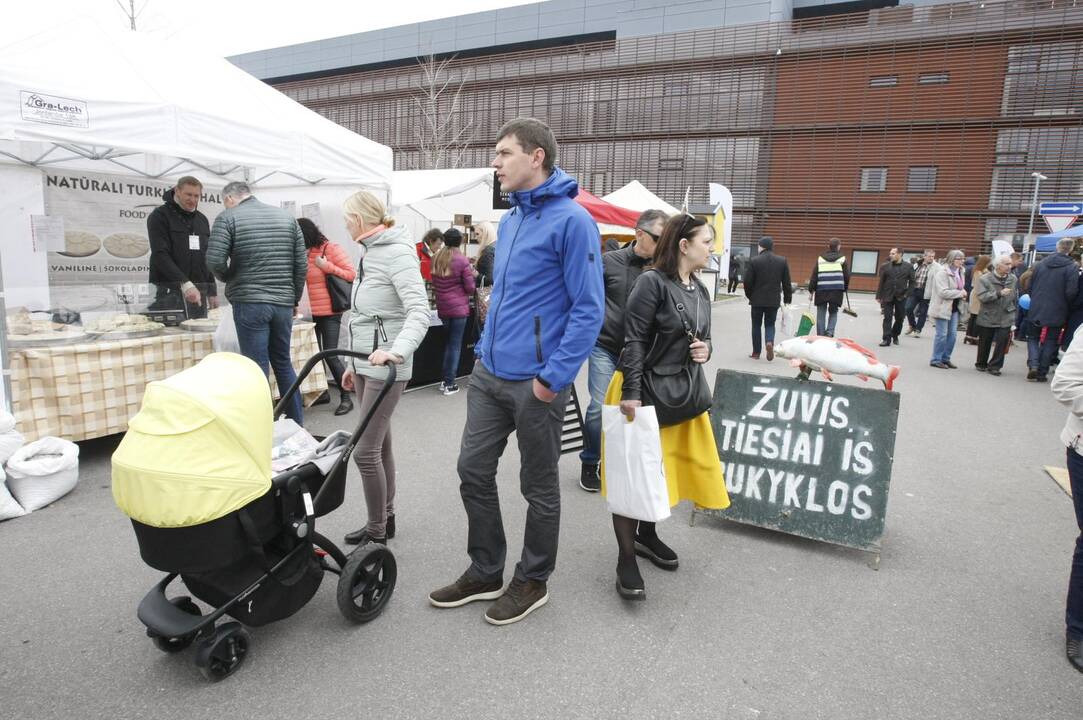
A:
(199, 448)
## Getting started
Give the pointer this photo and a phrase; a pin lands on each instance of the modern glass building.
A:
(883, 124)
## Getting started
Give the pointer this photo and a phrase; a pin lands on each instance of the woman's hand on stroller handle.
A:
(382, 357)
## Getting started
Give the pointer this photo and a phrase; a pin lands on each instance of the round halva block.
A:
(126, 245)
(79, 243)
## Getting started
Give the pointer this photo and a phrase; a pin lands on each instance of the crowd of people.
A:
(638, 316)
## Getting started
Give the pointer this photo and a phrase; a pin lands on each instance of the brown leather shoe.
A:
(770, 348)
(755, 356)
(521, 598)
(466, 590)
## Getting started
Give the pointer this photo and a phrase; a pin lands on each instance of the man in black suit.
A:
(767, 285)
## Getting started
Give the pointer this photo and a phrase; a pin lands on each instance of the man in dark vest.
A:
(621, 269)
(829, 282)
(178, 235)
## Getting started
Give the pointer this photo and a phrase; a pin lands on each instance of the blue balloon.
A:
(1024, 302)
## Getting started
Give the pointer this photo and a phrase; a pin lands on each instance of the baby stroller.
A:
(193, 473)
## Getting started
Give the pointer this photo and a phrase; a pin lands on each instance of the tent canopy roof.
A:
(635, 196)
(411, 186)
(79, 96)
(1048, 243)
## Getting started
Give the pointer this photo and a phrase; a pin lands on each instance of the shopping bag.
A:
(225, 336)
(786, 324)
(635, 478)
(805, 326)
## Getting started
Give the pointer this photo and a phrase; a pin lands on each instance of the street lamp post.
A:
(1038, 177)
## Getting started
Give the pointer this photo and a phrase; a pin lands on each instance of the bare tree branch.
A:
(438, 98)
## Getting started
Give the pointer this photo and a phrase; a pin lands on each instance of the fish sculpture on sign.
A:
(835, 356)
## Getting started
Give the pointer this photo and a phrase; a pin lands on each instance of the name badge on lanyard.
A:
(193, 242)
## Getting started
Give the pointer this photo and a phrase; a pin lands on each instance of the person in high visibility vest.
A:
(829, 282)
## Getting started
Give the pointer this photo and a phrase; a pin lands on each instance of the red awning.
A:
(604, 212)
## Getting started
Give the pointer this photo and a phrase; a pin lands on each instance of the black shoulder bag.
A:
(337, 288)
(677, 391)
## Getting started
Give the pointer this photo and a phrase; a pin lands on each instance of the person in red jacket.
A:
(453, 281)
(326, 258)
(427, 249)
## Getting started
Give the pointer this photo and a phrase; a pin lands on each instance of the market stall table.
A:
(90, 389)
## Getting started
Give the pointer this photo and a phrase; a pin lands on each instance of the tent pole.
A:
(5, 357)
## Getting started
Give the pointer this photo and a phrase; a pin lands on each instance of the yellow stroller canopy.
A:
(199, 448)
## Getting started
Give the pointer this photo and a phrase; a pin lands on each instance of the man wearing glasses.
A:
(621, 268)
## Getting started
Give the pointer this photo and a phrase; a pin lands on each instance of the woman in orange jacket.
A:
(326, 258)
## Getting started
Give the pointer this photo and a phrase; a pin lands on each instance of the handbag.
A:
(481, 302)
(337, 288)
(677, 391)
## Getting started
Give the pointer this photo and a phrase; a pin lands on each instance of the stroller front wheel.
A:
(219, 656)
(367, 582)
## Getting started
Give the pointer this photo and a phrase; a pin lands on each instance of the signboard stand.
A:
(811, 459)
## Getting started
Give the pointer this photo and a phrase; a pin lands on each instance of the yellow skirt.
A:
(689, 455)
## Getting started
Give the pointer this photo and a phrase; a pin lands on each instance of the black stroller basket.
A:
(328, 491)
(266, 554)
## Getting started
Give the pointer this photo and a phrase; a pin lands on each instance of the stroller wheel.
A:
(219, 656)
(366, 582)
(176, 644)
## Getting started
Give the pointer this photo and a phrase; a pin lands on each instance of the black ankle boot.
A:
(390, 528)
(629, 581)
(360, 537)
(649, 546)
(345, 406)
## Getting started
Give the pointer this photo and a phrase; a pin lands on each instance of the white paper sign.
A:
(47, 232)
(290, 206)
(311, 211)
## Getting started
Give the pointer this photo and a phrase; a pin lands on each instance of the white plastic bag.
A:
(787, 324)
(10, 438)
(43, 472)
(9, 507)
(225, 337)
(635, 479)
(292, 445)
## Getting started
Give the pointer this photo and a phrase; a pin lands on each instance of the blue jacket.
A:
(548, 300)
(1052, 290)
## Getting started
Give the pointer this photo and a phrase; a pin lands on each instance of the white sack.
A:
(43, 472)
(9, 508)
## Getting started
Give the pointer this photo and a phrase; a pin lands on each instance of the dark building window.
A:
(939, 78)
(873, 179)
(864, 262)
(671, 164)
(922, 179)
(884, 81)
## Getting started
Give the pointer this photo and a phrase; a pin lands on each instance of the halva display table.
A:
(89, 390)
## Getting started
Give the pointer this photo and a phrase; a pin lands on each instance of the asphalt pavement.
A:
(964, 618)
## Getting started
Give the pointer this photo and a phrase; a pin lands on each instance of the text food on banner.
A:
(811, 459)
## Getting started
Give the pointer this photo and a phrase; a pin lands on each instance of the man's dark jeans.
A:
(763, 318)
(264, 332)
(917, 309)
(1040, 353)
(894, 311)
(1074, 610)
(494, 409)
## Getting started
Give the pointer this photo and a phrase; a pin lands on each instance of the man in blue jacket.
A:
(1052, 290)
(545, 312)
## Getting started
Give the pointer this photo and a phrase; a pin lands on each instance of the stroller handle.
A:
(319, 357)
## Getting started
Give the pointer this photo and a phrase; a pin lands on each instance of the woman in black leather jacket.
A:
(667, 322)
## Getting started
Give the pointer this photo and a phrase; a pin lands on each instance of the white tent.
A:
(87, 98)
(635, 196)
(80, 98)
(423, 199)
